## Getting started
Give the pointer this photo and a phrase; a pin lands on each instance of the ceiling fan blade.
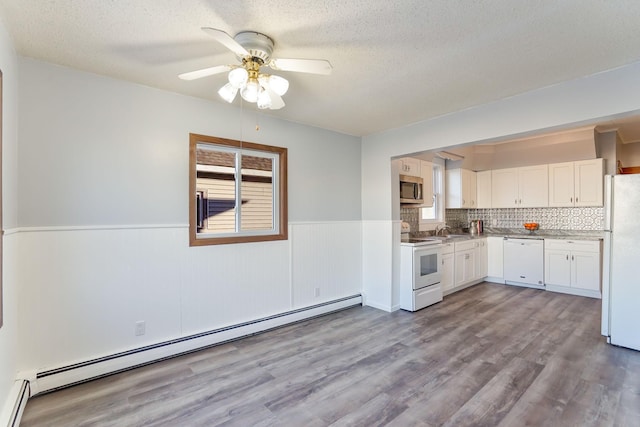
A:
(313, 66)
(192, 75)
(226, 40)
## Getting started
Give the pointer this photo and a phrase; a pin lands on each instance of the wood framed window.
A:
(237, 191)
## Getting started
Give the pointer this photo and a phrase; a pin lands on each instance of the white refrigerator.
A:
(621, 272)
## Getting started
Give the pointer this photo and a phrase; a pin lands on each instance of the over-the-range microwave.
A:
(411, 189)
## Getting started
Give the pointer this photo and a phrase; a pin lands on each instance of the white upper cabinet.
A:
(561, 191)
(460, 189)
(525, 187)
(576, 183)
(504, 188)
(588, 182)
(426, 171)
(410, 166)
(483, 189)
(533, 183)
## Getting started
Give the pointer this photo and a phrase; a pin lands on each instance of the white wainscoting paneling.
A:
(82, 290)
(377, 271)
(326, 261)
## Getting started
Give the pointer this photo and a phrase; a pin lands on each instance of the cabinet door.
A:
(585, 270)
(464, 267)
(588, 182)
(533, 186)
(453, 189)
(504, 188)
(495, 257)
(448, 279)
(469, 189)
(561, 184)
(410, 166)
(557, 267)
(481, 259)
(426, 171)
(483, 189)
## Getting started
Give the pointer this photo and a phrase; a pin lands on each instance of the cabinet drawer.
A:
(572, 245)
(466, 245)
(447, 248)
(426, 296)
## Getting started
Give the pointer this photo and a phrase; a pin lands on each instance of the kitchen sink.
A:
(452, 236)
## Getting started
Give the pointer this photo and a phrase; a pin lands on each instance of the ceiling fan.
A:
(254, 51)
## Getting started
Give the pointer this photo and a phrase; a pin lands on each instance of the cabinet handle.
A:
(571, 199)
(571, 257)
(463, 202)
(567, 257)
(515, 201)
(520, 201)
(576, 200)
(466, 256)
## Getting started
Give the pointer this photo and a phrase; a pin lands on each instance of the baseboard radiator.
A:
(16, 402)
(66, 376)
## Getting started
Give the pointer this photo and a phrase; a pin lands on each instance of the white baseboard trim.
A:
(15, 404)
(461, 287)
(574, 291)
(492, 279)
(65, 376)
(384, 307)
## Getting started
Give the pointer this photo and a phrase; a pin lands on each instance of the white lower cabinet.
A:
(447, 260)
(495, 259)
(573, 267)
(466, 265)
(481, 258)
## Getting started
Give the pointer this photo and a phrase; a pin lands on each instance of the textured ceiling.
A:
(394, 63)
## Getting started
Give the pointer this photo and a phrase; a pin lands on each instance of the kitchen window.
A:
(238, 191)
(433, 216)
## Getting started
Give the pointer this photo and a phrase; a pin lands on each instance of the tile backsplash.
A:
(585, 219)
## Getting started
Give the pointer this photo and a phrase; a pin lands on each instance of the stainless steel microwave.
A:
(411, 189)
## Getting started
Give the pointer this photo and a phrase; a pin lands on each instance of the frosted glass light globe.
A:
(228, 92)
(238, 77)
(250, 91)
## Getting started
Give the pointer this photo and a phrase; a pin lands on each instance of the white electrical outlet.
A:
(317, 292)
(141, 327)
(494, 222)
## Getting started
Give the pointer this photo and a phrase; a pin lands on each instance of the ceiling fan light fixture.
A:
(278, 84)
(228, 92)
(264, 100)
(250, 91)
(254, 50)
(238, 77)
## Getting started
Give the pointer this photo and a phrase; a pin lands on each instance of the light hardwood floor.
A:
(491, 355)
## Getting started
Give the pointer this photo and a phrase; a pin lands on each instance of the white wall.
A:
(629, 154)
(103, 219)
(571, 104)
(9, 331)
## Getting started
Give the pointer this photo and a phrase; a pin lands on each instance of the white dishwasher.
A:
(524, 262)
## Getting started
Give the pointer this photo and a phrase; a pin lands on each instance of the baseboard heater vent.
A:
(19, 395)
(66, 376)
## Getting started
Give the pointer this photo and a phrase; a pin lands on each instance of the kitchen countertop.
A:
(540, 234)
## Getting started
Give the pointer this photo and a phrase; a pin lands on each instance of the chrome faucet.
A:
(444, 227)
